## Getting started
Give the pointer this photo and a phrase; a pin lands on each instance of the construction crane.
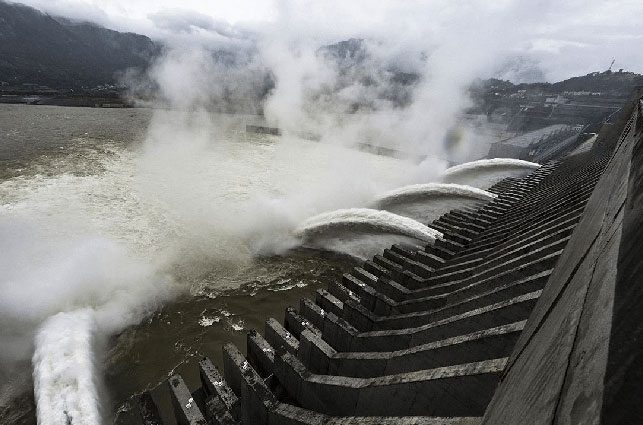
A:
(611, 64)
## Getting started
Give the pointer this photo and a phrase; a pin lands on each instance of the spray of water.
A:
(63, 292)
(487, 172)
(368, 219)
(426, 202)
(64, 370)
(432, 190)
(362, 232)
(491, 163)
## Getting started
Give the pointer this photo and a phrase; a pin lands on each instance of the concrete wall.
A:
(588, 313)
(623, 381)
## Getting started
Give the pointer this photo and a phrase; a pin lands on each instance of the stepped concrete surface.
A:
(527, 311)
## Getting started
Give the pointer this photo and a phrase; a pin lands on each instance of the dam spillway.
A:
(434, 189)
(362, 232)
(485, 173)
(371, 220)
(489, 324)
(426, 202)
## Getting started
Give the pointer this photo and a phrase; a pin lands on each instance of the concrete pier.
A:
(527, 311)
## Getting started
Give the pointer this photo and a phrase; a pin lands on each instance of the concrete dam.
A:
(523, 309)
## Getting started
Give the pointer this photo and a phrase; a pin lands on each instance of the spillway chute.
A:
(485, 173)
(368, 220)
(426, 202)
(491, 163)
(433, 190)
(362, 232)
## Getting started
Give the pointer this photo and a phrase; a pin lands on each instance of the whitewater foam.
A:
(64, 370)
(367, 220)
(416, 191)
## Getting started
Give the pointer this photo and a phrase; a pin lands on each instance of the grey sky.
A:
(564, 37)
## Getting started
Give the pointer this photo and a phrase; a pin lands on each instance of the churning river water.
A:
(171, 231)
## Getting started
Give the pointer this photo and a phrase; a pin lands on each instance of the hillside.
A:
(42, 50)
(39, 49)
(614, 83)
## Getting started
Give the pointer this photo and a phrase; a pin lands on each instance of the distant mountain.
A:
(347, 52)
(371, 81)
(39, 49)
(596, 87)
(615, 83)
(520, 68)
(353, 53)
(608, 83)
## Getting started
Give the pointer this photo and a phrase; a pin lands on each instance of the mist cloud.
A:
(565, 38)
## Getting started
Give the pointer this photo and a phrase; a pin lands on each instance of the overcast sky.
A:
(561, 38)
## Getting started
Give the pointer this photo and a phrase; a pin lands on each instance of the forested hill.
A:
(607, 83)
(39, 49)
